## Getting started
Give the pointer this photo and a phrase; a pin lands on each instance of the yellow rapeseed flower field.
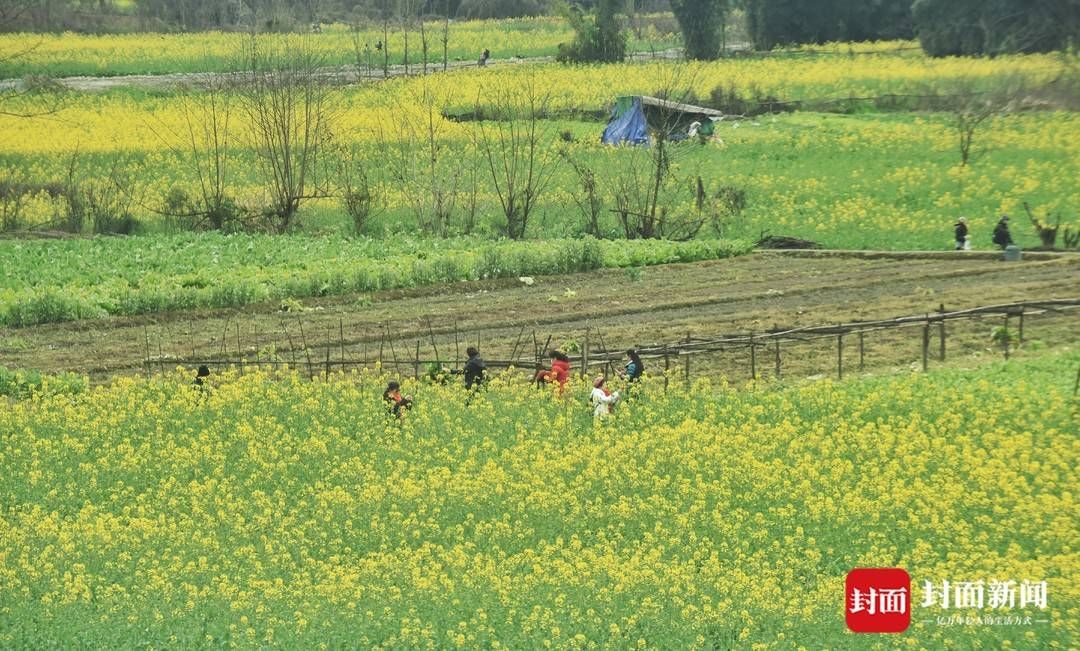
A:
(867, 180)
(274, 510)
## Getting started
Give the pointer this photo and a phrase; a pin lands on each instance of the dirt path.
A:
(660, 304)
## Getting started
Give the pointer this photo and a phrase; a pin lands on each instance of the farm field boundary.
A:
(913, 255)
(761, 350)
(638, 305)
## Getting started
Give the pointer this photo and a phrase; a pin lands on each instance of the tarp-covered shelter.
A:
(633, 117)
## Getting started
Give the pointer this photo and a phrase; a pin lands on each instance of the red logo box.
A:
(877, 600)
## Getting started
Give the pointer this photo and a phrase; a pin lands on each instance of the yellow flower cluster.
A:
(274, 510)
(70, 54)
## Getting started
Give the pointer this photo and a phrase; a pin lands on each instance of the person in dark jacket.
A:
(200, 379)
(961, 234)
(397, 402)
(473, 370)
(634, 367)
(1002, 237)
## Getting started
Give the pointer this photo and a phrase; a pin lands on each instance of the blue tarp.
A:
(627, 123)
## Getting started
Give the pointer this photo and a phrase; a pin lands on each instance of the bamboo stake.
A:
(585, 355)
(382, 343)
(160, 355)
(457, 346)
(292, 348)
(941, 333)
(861, 349)
(926, 345)
(307, 351)
(393, 350)
(1005, 336)
(146, 360)
(239, 348)
(517, 343)
(608, 372)
(686, 361)
(416, 362)
(224, 349)
(431, 333)
(753, 357)
(667, 366)
(840, 356)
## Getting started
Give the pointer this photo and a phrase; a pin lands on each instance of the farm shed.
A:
(633, 117)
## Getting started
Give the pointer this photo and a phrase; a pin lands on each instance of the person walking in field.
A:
(961, 233)
(558, 373)
(397, 402)
(484, 56)
(634, 367)
(199, 384)
(1002, 236)
(473, 370)
(603, 401)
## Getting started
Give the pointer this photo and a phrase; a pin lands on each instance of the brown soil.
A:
(620, 309)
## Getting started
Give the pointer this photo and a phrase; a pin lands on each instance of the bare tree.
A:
(16, 95)
(355, 186)
(205, 144)
(651, 199)
(445, 33)
(423, 162)
(291, 111)
(517, 145)
(589, 200)
(406, 13)
(972, 107)
(361, 52)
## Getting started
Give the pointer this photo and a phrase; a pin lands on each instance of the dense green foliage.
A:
(26, 383)
(977, 27)
(597, 35)
(784, 22)
(46, 281)
(700, 22)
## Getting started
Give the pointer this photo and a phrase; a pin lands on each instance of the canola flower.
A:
(278, 511)
(69, 54)
(862, 181)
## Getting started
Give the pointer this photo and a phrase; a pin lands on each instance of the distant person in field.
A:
(397, 403)
(484, 56)
(558, 373)
(634, 367)
(603, 401)
(200, 379)
(473, 370)
(961, 232)
(1002, 237)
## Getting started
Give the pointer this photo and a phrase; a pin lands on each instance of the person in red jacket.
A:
(559, 371)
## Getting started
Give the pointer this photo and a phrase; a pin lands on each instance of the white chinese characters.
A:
(992, 594)
(875, 601)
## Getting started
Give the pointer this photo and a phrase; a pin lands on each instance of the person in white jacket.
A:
(602, 399)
